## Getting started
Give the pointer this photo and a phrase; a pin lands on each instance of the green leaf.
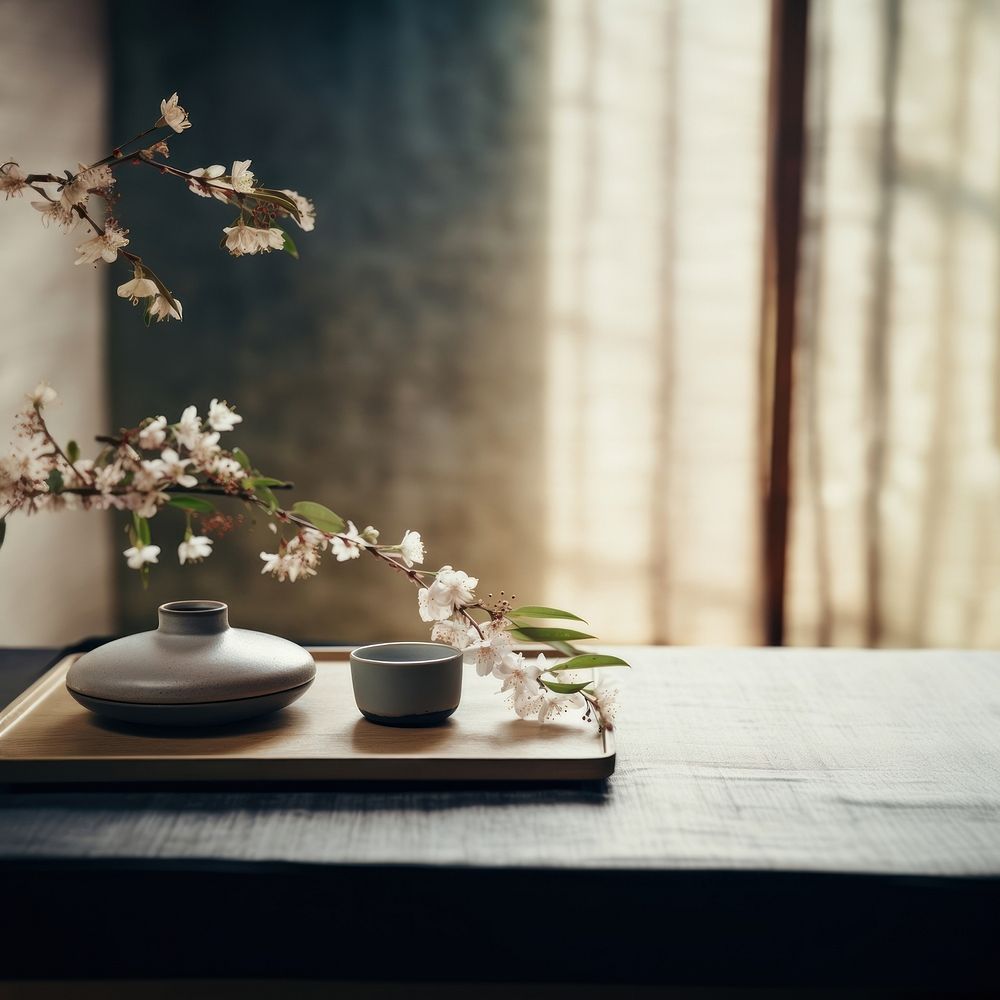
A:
(142, 533)
(266, 481)
(588, 661)
(264, 493)
(319, 516)
(72, 451)
(55, 481)
(537, 612)
(195, 504)
(290, 248)
(530, 633)
(565, 688)
(243, 458)
(278, 198)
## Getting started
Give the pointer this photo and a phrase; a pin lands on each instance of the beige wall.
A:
(55, 571)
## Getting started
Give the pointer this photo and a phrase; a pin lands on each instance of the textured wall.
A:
(393, 372)
(55, 571)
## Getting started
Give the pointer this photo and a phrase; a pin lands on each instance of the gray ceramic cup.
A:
(407, 683)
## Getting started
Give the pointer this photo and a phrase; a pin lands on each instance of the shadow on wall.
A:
(393, 372)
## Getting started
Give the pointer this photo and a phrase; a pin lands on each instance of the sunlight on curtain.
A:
(656, 190)
(896, 523)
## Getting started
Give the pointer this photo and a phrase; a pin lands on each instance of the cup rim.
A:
(448, 654)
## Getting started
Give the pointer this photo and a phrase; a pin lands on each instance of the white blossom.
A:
(160, 309)
(226, 468)
(242, 177)
(144, 504)
(521, 679)
(87, 179)
(205, 450)
(307, 210)
(13, 180)
(242, 240)
(174, 469)
(188, 428)
(58, 212)
(194, 549)
(451, 588)
(296, 559)
(172, 114)
(82, 473)
(42, 395)
(209, 184)
(23, 472)
(139, 555)
(606, 701)
(104, 246)
(303, 551)
(556, 704)
(452, 632)
(411, 548)
(147, 474)
(221, 416)
(137, 288)
(275, 564)
(107, 477)
(154, 433)
(489, 649)
(312, 538)
(347, 544)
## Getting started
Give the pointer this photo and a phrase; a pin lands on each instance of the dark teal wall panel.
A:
(395, 370)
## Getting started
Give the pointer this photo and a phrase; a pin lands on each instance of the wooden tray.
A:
(45, 736)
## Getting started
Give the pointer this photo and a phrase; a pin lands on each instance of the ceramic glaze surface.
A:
(195, 659)
(407, 683)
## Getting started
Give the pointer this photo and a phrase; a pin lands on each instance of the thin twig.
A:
(118, 153)
(55, 444)
(200, 490)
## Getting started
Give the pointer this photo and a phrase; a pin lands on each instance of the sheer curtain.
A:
(656, 198)
(896, 524)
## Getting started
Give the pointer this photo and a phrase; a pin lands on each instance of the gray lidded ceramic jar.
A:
(194, 670)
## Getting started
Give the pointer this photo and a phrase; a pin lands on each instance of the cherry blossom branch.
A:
(202, 489)
(157, 464)
(118, 155)
(166, 168)
(412, 575)
(74, 189)
(47, 435)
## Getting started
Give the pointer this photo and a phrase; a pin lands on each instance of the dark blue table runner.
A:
(778, 818)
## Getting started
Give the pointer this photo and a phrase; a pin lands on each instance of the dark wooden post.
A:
(782, 226)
